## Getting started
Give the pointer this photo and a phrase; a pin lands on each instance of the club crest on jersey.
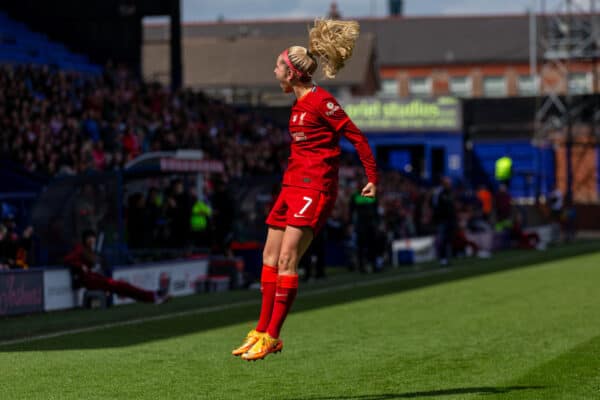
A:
(332, 108)
(298, 136)
(295, 118)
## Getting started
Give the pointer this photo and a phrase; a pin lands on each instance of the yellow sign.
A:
(404, 115)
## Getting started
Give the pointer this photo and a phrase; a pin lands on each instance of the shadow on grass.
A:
(247, 310)
(430, 393)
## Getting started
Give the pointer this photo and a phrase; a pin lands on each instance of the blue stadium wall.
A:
(533, 169)
(450, 144)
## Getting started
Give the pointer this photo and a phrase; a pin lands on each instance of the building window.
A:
(580, 83)
(527, 85)
(389, 87)
(420, 87)
(494, 86)
(460, 86)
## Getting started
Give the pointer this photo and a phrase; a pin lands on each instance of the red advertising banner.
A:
(21, 292)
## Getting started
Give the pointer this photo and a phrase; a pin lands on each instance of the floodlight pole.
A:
(569, 104)
(563, 39)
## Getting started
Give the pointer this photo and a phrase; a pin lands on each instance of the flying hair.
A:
(333, 42)
(330, 41)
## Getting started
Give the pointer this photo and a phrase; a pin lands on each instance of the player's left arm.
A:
(360, 143)
(337, 118)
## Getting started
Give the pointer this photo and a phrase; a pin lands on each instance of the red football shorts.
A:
(299, 206)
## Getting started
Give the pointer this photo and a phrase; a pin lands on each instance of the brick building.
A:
(464, 56)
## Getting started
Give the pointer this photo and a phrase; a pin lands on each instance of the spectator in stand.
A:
(23, 249)
(99, 156)
(223, 216)
(137, 222)
(558, 215)
(87, 209)
(485, 199)
(444, 216)
(86, 271)
(523, 240)
(155, 218)
(503, 170)
(365, 221)
(556, 201)
(313, 260)
(199, 222)
(178, 211)
(5, 257)
(15, 248)
(503, 208)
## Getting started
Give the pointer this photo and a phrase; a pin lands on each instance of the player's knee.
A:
(287, 262)
(270, 257)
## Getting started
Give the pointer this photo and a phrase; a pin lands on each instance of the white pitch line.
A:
(205, 310)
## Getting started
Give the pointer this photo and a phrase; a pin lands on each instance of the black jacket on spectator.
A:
(223, 216)
(442, 203)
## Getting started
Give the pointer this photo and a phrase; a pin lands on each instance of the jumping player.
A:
(310, 183)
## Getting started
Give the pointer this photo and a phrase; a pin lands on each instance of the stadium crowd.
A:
(55, 122)
(59, 123)
(14, 245)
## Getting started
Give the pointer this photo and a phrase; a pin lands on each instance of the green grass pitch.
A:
(523, 325)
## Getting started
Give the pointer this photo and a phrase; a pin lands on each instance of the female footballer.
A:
(310, 183)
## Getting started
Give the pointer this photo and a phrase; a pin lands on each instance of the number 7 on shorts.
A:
(308, 203)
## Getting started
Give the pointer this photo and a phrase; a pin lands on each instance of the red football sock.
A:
(268, 283)
(287, 287)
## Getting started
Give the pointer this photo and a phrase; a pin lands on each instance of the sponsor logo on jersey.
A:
(298, 136)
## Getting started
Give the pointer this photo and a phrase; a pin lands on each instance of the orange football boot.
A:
(265, 346)
(251, 339)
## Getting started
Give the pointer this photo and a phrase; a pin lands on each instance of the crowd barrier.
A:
(49, 288)
(177, 278)
(423, 249)
(21, 292)
(413, 250)
(58, 292)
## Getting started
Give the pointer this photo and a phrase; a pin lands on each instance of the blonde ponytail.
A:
(333, 41)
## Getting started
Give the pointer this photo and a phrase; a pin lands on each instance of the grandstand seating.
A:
(19, 45)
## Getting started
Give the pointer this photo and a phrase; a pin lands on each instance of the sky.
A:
(203, 10)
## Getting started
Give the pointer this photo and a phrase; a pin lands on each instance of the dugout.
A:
(71, 204)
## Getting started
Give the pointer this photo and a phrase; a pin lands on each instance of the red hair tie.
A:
(286, 58)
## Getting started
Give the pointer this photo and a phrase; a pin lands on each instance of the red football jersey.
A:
(316, 123)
